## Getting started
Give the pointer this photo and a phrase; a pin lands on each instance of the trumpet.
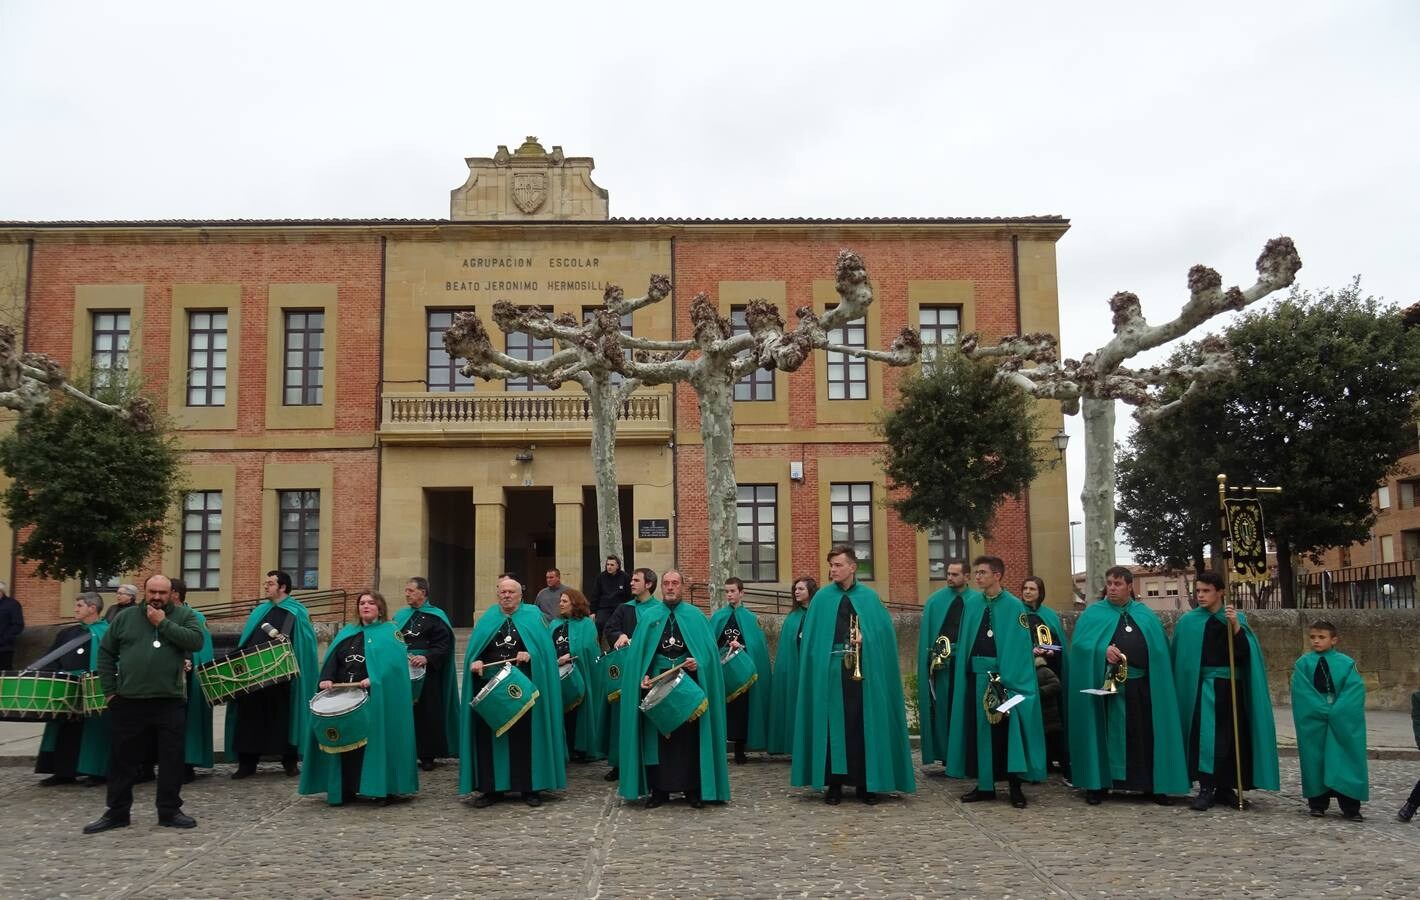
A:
(1117, 673)
(941, 652)
(853, 659)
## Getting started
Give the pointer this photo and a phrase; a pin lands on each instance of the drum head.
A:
(660, 690)
(492, 684)
(727, 655)
(417, 672)
(333, 702)
(566, 670)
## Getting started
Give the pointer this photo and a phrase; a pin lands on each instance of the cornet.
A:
(853, 659)
(1116, 673)
(941, 652)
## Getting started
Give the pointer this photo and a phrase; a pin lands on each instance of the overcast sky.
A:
(1169, 136)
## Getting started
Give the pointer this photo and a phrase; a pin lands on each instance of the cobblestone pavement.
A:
(257, 838)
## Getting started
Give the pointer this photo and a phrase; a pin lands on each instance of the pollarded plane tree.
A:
(1092, 384)
(29, 380)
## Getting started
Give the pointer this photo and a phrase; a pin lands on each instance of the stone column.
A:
(568, 500)
(490, 516)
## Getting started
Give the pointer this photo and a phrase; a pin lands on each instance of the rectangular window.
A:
(108, 353)
(524, 346)
(1410, 544)
(848, 375)
(304, 381)
(1407, 494)
(939, 327)
(757, 525)
(1387, 548)
(944, 544)
(207, 357)
(1383, 497)
(759, 384)
(300, 537)
(102, 585)
(202, 540)
(443, 372)
(851, 518)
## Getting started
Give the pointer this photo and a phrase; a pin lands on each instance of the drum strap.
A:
(55, 654)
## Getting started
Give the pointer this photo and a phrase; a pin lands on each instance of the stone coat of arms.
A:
(529, 190)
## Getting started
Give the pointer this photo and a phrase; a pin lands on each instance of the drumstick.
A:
(501, 662)
(669, 672)
(345, 685)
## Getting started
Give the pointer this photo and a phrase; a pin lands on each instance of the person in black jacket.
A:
(610, 589)
(1407, 810)
(12, 623)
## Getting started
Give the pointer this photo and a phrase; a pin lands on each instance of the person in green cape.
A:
(1051, 656)
(938, 660)
(574, 635)
(1129, 739)
(371, 653)
(197, 749)
(1329, 710)
(747, 714)
(273, 721)
(1205, 706)
(531, 756)
(851, 725)
(692, 760)
(617, 632)
(81, 746)
(429, 639)
(996, 665)
(784, 704)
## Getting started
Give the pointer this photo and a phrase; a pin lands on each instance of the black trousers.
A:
(1348, 806)
(7, 660)
(1415, 794)
(138, 727)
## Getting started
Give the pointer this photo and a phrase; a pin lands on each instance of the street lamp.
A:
(1061, 440)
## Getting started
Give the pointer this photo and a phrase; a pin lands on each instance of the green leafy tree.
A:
(958, 443)
(89, 493)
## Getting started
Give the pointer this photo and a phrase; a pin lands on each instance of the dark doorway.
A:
(451, 553)
(530, 537)
(592, 559)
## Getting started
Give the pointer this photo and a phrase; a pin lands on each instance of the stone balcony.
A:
(503, 418)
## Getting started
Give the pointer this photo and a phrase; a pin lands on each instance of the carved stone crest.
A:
(529, 190)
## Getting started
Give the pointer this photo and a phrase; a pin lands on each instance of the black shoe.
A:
(94, 780)
(243, 772)
(613, 775)
(533, 799)
(1227, 797)
(1162, 800)
(978, 796)
(834, 795)
(292, 769)
(579, 756)
(1353, 816)
(868, 797)
(1094, 798)
(1406, 812)
(740, 758)
(177, 820)
(1205, 799)
(104, 823)
(695, 801)
(483, 801)
(55, 780)
(426, 765)
(1317, 813)
(657, 798)
(1018, 796)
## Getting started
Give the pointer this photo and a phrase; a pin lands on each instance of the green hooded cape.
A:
(761, 692)
(448, 679)
(549, 743)
(1195, 691)
(390, 767)
(197, 745)
(303, 686)
(784, 700)
(639, 739)
(1097, 750)
(934, 691)
(1331, 729)
(582, 636)
(1015, 663)
(819, 729)
(95, 743)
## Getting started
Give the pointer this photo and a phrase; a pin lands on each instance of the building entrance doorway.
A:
(450, 554)
(592, 559)
(530, 537)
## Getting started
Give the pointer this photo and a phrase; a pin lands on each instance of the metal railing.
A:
(1380, 586)
(324, 606)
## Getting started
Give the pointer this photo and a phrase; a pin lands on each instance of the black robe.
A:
(63, 760)
(1215, 653)
(264, 716)
(426, 635)
(679, 754)
(737, 710)
(345, 663)
(983, 644)
(857, 774)
(506, 643)
(1138, 711)
(563, 645)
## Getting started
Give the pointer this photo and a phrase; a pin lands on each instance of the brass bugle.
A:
(941, 652)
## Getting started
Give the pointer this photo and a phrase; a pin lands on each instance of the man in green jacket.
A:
(142, 670)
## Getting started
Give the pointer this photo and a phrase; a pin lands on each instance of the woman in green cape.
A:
(73, 748)
(784, 702)
(692, 759)
(746, 715)
(1050, 666)
(941, 618)
(849, 731)
(1129, 740)
(1329, 710)
(531, 756)
(574, 635)
(370, 652)
(1201, 676)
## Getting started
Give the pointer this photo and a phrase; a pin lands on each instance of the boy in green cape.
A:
(1205, 706)
(938, 660)
(850, 730)
(692, 760)
(79, 747)
(617, 633)
(429, 641)
(737, 628)
(531, 756)
(1329, 710)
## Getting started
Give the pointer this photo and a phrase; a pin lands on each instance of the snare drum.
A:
(92, 691)
(738, 669)
(417, 675)
(671, 703)
(505, 699)
(574, 687)
(609, 664)
(40, 697)
(340, 719)
(259, 666)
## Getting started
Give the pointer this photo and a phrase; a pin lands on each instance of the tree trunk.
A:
(717, 434)
(603, 398)
(1286, 583)
(1098, 495)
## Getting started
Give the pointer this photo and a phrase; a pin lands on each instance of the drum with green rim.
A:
(340, 719)
(674, 702)
(417, 677)
(244, 671)
(738, 669)
(505, 699)
(40, 697)
(574, 686)
(609, 664)
(92, 691)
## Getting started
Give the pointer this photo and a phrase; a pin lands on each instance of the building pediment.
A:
(529, 184)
